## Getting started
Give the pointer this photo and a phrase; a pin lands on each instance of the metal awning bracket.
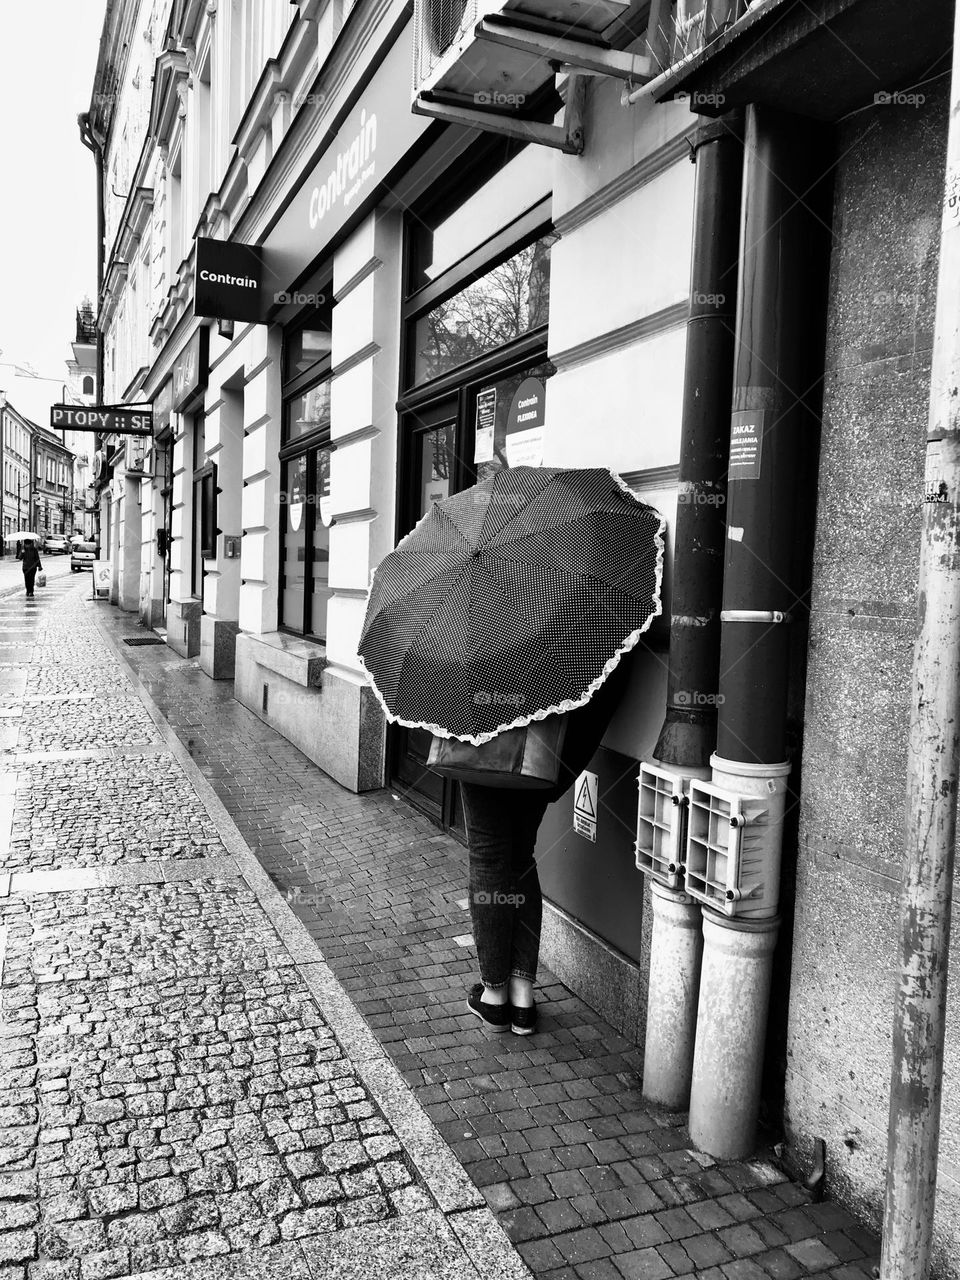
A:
(578, 54)
(566, 137)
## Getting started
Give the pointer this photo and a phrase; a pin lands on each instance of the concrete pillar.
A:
(260, 500)
(127, 511)
(676, 946)
(221, 600)
(183, 611)
(731, 1028)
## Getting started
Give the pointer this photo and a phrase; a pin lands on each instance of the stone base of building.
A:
(152, 612)
(604, 977)
(183, 627)
(331, 715)
(218, 647)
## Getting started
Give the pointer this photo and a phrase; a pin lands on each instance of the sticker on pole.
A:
(746, 445)
(585, 806)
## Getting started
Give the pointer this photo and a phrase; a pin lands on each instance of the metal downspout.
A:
(933, 761)
(775, 369)
(689, 731)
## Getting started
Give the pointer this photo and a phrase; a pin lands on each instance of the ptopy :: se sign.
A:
(103, 418)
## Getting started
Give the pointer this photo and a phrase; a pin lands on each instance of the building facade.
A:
(17, 448)
(52, 491)
(418, 268)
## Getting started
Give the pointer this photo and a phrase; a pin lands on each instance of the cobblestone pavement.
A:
(589, 1181)
(186, 1091)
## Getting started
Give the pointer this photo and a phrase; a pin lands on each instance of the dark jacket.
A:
(31, 557)
(587, 725)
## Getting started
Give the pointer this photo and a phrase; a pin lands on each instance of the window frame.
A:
(307, 446)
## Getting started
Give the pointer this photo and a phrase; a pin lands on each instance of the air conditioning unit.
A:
(488, 63)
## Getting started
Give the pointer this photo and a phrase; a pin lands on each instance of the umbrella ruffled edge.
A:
(569, 704)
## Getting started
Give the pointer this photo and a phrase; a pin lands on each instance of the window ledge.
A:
(301, 661)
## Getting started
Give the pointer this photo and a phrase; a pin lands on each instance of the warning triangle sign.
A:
(584, 800)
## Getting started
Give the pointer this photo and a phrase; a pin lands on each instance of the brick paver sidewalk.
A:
(185, 1088)
(588, 1180)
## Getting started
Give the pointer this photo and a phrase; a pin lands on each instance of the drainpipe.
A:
(689, 730)
(933, 761)
(779, 284)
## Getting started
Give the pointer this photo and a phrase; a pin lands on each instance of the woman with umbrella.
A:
(500, 624)
(29, 553)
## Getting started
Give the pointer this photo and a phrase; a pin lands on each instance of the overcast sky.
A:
(48, 211)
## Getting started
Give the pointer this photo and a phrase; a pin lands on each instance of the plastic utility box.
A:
(661, 825)
(727, 864)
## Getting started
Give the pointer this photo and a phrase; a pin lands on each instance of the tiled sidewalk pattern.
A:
(177, 1094)
(588, 1180)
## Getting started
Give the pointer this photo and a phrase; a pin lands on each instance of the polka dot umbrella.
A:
(511, 601)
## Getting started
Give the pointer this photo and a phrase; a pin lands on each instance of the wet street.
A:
(209, 1071)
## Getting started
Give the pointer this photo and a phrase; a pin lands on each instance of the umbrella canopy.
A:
(511, 601)
(23, 535)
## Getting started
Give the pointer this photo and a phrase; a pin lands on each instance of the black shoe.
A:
(523, 1019)
(496, 1016)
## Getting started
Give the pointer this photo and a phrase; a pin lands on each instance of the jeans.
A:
(506, 905)
(28, 577)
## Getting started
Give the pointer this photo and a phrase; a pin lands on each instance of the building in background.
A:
(82, 387)
(52, 491)
(82, 368)
(17, 445)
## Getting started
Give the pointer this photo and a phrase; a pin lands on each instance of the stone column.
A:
(221, 603)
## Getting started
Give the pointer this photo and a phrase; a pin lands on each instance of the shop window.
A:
(479, 263)
(204, 508)
(506, 302)
(304, 474)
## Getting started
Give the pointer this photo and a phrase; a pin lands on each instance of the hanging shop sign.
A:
(135, 458)
(524, 443)
(370, 142)
(106, 419)
(229, 280)
(191, 370)
(163, 409)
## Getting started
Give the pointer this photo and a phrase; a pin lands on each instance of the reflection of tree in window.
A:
(503, 305)
(441, 442)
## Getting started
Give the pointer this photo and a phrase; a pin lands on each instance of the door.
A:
(434, 470)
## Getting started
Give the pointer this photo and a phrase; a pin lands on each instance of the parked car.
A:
(55, 544)
(83, 555)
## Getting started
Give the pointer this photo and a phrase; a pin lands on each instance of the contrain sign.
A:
(103, 418)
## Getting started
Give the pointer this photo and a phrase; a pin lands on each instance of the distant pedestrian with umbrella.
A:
(499, 624)
(29, 554)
